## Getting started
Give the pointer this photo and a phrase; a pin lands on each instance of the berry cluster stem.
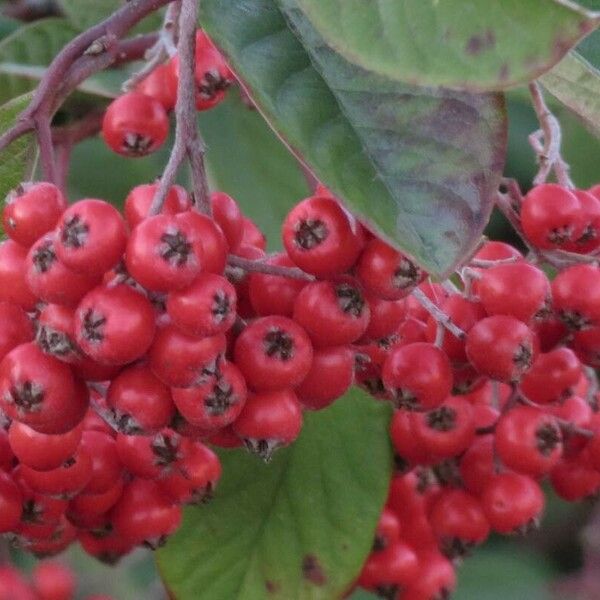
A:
(260, 266)
(439, 315)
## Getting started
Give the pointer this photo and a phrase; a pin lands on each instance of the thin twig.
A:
(548, 153)
(437, 313)
(259, 266)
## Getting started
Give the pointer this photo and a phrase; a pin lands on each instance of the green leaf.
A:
(246, 160)
(8, 26)
(420, 166)
(33, 45)
(299, 527)
(465, 44)
(577, 85)
(84, 14)
(16, 160)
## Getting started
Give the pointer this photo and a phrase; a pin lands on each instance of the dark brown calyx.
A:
(93, 326)
(442, 419)
(310, 233)
(279, 344)
(221, 399)
(28, 396)
(350, 299)
(175, 248)
(136, 144)
(75, 232)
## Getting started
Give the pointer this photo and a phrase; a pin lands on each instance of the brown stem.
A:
(259, 266)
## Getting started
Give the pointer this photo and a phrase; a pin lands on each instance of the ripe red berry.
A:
(320, 237)
(207, 307)
(91, 237)
(551, 217)
(576, 296)
(10, 503)
(388, 529)
(31, 210)
(501, 347)
(114, 325)
(15, 328)
(512, 502)
(206, 232)
(269, 420)
(217, 401)
(135, 125)
(139, 402)
(417, 375)
(252, 235)
(161, 84)
(273, 353)
(227, 214)
(573, 480)
(330, 376)
(590, 208)
(180, 360)
(391, 569)
(332, 313)
(139, 200)
(477, 465)
(436, 579)
(386, 273)
(386, 317)
(145, 515)
(409, 449)
(13, 283)
(53, 581)
(106, 466)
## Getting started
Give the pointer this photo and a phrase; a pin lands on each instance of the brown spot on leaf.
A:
(480, 43)
(312, 570)
(272, 586)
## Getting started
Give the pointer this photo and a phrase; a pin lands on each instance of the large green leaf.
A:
(86, 13)
(16, 160)
(577, 85)
(33, 45)
(589, 47)
(420, 166)
(297, 528)
(466, 44)
(246, 160)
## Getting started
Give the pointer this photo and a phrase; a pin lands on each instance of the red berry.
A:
(161, 84)
(501, 347)
(386, 273)
(436, 579)
(31, 210)
(477, 464)
(551, 217)
(53, 581)
(269, 420)
(417, 375)
(135, 125)
(13, 270)
(576, 295)
(386, 317)
(106, 466)
(388, 529)
(227, 214)
(332, 313)
(10, 503)
(139, 200)
(114, 325)
(320, 237)
(56, 332)
(252, 235)
(204, 231)
(573, 480)
(15, 328)
(391, 569)
(590, 208)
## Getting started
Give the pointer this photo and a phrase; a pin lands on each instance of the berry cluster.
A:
(49, 581)
(494, 391)
(137, 123)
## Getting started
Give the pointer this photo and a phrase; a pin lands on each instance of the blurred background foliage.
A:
(248, 161)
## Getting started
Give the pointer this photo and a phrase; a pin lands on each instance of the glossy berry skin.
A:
(320, 237)
(436, 579)
(161, 84)
(590, 208)
(551, 217)
(216, 402)
(161, 255)
(135, 125)
(388, 529)
(35, 388)
(574, 480)
(139, 401)
(207, 233)
(386, 273)
(114, 325)
(576, 296)
(447, 430)
(386, 317)
(31, 210)
(407, 446)
(207, 307)
(330, 376)
(273, 353)
(88, 507)
(53, 581)
(15, 328)
(512, 502)
(417, 375)
(228, 216)
(145, 515)
(91, 237)
(269, 420)
(10, 503)
(332, 313)
(477, 464)
(458, 521)
(252, 235)
(552, 376)
(139, 200)
(149, 456)
(519, 290)
(13, 283)
(50, 280)
(41, 451)
(394, 567)
(271, 294)
(55, 333)
(182, 361)
(501, 347)
(106, 466)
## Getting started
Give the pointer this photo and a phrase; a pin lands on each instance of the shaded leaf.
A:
(16, 160)
(299, 527)
(465, 44)
(246, 160)
(577, 85)
(419, 165)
